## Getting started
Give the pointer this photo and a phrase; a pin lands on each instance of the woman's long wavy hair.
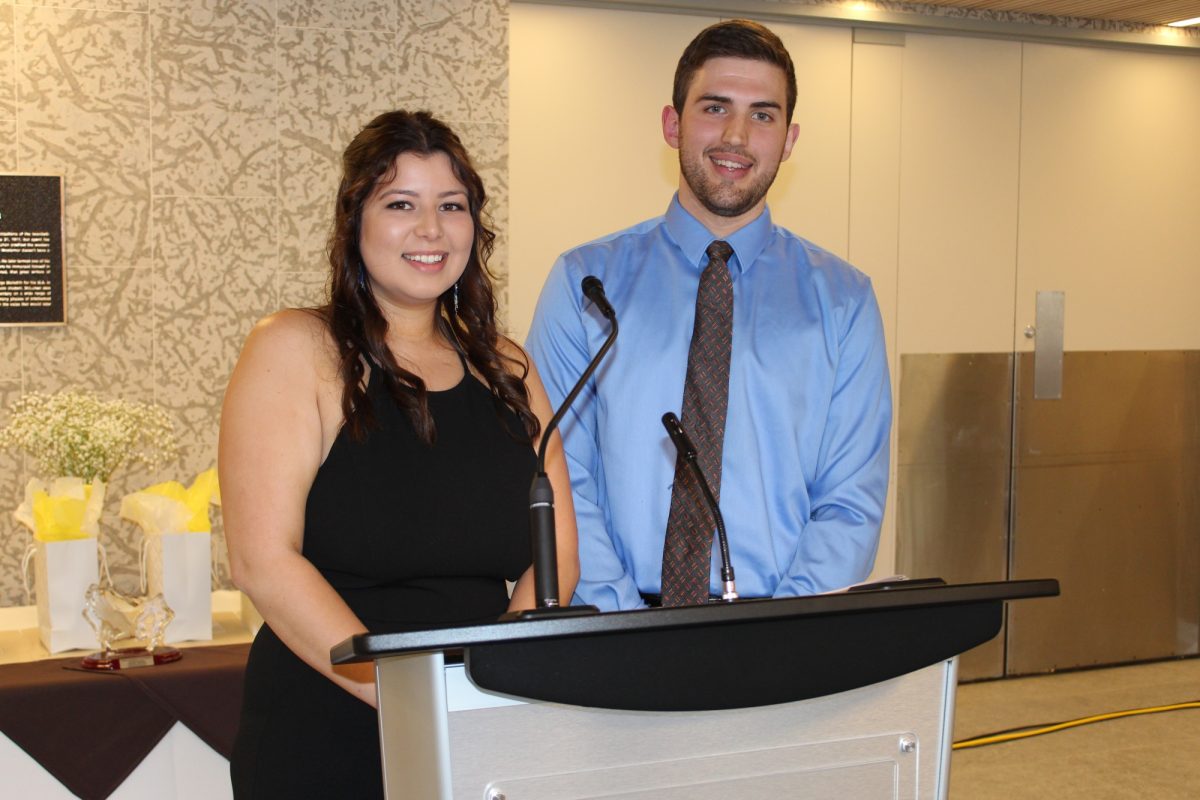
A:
(352, 314)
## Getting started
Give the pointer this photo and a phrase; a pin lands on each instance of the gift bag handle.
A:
(142, 562)
(213, 552)
(30, 549)
(107, 580)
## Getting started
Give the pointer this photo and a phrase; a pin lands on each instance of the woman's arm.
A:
(564, 509)
(273, 439)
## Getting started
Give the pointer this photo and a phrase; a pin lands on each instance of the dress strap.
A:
(462, 359)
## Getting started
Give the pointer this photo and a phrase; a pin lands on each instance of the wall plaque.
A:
(32, 279)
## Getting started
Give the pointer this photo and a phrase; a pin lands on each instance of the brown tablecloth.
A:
(91, 729)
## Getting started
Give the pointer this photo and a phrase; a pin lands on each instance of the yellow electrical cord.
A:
(1026, 732)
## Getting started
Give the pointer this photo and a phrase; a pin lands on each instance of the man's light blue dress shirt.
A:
(805, 462)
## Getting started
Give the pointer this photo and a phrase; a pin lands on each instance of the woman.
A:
(375, 459)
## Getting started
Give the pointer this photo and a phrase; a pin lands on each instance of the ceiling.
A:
(1148, 12)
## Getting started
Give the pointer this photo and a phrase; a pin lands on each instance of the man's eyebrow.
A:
(719, 98)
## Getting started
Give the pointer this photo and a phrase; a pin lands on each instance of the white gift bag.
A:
(62, 575)
(179, 567)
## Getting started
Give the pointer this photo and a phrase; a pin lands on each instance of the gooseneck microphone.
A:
(541, 493)
(593, 290)
(687, 451)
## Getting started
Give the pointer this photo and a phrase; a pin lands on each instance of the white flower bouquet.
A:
(83, 435)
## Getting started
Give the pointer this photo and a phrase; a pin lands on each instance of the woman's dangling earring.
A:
(456, 298)
(362, 276)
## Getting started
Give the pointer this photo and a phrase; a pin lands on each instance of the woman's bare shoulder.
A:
(292, 326)
(292, 336)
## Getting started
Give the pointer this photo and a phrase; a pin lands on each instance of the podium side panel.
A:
(886, 740)
(413, 728)
(946, 744)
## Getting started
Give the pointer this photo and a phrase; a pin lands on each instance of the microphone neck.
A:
(552, 425)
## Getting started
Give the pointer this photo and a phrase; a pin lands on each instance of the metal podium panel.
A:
(887, 740)
(412, 720)
(868, 768)
(1107, 498)
(954, 457)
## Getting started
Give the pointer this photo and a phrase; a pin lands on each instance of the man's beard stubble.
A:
(722, 199)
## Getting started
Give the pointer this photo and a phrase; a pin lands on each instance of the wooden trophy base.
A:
(130, 657)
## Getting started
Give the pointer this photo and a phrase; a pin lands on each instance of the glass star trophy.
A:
(137, 623)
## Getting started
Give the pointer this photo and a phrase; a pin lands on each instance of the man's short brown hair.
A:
(735, 38)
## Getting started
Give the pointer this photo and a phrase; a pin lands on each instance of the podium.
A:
(846, 695)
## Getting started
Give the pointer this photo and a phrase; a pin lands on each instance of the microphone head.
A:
(593, 290)
(679, 438)
(591, 285)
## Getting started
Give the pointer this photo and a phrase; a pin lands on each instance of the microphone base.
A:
(549, 611)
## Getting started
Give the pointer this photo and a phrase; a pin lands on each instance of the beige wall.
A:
(199, 140)
(1110, 196)
(586, 151)
(1034, 167)
(960, 143)
(962, 174)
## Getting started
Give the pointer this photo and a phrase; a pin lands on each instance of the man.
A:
(796, 433)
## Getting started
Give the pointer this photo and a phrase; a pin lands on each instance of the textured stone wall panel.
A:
(83, 111)
(213, 98)
(8, 85)
(200, 141)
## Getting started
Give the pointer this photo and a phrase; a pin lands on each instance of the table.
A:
(181, 766)
(66, 732)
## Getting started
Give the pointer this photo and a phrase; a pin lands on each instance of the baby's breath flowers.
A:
(81, 435)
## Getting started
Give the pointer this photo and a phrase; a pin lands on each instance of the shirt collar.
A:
(693, 238)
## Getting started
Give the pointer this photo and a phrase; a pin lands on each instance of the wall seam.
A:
(22, 380)
(850, 151)
(277, 209)
(157, 269)
(1015, 367)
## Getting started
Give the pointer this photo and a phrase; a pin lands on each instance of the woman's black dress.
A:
(411, 536)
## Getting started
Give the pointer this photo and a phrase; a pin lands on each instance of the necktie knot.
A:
(719, 251)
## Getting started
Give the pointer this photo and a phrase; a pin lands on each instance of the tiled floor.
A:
(1148, 756)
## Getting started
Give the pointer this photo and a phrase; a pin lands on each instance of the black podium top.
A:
(720, 655)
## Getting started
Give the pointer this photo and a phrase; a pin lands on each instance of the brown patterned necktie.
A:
(687, 552)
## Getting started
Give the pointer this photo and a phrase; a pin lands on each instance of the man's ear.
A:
(670, 125)
(792, 134)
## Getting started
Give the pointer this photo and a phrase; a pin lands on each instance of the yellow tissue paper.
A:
(66, 509)
(171, 508)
